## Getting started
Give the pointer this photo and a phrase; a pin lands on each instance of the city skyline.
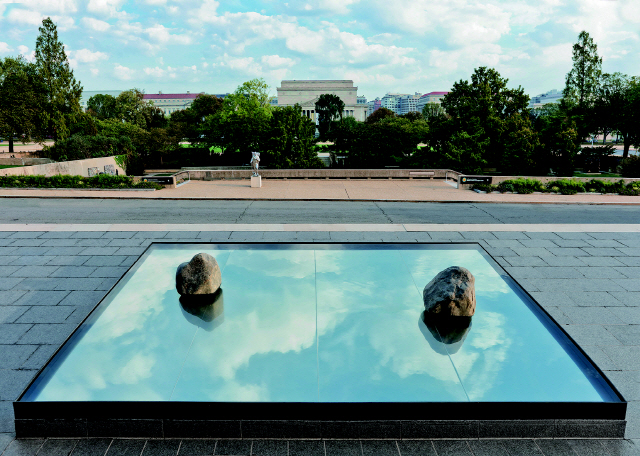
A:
(176, 46)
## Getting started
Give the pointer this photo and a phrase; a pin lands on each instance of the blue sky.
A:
(402, 46)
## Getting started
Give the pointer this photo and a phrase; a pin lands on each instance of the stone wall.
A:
(74, 168)
(23, 161)
(210, 174)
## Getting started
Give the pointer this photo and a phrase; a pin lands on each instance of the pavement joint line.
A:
(342, 227)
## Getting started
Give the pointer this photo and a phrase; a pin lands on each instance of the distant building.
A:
(373, 106)
(431, 97)
(552, 96)
(87, 94)
(391, 101)
(168, 102)
(407, 103)
(172, 102)
(306, 93)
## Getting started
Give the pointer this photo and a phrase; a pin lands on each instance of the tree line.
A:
(481, 124)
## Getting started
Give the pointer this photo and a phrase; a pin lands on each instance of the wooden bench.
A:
(428, 174)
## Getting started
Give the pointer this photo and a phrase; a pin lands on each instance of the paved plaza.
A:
(588, 280)
(327, 190)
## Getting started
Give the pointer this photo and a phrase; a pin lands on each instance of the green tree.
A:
(558, 145)
(329, 107)
(432, 110)
(617, 108)
(103, 106)
(582, 82)
(188, 124)
(391, 141)
(22, 101)
(487, 124)
(205, 105)
(379, 114)
(62, 90)
(289, 141)
(240, 125)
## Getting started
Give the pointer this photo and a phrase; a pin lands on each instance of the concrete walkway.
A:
(328, 190)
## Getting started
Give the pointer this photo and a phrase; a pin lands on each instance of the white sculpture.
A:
(255, 162)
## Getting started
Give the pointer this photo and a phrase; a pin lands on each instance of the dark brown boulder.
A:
(200, 276)
(451, 293)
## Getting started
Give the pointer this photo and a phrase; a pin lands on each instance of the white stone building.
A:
(306, 93)
(431, 97)
(552, 96)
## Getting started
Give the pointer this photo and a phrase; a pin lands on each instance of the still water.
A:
(316, 323)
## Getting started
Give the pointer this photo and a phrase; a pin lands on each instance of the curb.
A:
(170, 198)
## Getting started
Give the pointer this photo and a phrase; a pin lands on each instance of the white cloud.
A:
(109, 8)
(161, 34)
(384, 38)
(246, 65)
(34, 18)
(24, 51)
(155, 72)
(86, 56)
(207, 12)
(275, 61)
(96, 24)
(331, 6)
(123, 73)
(5, 48)
(48, 6)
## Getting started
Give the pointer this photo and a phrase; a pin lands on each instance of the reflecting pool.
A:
(316, 323)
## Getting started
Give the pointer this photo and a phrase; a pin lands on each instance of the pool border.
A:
(305, 420)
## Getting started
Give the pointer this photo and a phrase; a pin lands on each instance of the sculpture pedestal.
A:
(256, 181)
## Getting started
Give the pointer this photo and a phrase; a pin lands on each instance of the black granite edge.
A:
(327, 430)
(347, 411)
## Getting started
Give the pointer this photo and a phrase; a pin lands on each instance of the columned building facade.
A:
(306, 93)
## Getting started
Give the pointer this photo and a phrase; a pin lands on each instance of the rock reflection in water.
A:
(445, 335)
(204, 311)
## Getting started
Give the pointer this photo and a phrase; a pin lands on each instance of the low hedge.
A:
(563, 186)
(66, 181)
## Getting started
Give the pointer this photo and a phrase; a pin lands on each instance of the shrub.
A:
(630, 166)
(66, 181)
(604, 186)
(632, 189)
(521, 186)
(567, 185)
(483, 187)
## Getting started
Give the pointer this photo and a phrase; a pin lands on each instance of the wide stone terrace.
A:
(588, 281)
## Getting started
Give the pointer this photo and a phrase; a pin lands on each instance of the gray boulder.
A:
(199, 276)
(451, 293)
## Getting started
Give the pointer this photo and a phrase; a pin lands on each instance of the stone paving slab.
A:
(590, 292)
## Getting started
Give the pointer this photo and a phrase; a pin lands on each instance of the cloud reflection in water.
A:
(305, 325)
